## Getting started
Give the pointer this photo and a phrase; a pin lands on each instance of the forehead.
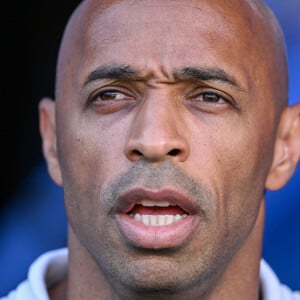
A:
(168, 33)
(166, 12)
(148, 34)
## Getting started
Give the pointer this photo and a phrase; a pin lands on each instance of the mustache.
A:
(156, 176)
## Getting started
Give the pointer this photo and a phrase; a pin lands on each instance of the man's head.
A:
(180, 105)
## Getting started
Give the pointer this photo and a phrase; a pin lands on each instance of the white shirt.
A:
(51, 267)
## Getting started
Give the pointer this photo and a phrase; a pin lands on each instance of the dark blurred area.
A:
(32, 216)
(32, 31)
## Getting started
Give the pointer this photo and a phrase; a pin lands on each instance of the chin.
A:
(162, 277)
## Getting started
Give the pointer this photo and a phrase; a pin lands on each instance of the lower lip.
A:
(157, 237)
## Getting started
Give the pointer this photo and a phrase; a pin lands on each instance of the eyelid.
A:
(109, 88)
(207, 89)
(218, 96)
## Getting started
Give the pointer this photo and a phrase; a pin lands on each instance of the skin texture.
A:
(218, 140)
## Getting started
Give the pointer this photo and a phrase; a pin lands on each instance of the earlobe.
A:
(287, 149)
(48, 134)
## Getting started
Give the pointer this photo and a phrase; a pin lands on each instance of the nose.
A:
(157, 133)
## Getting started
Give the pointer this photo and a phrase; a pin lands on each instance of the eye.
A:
(108, 100)
(210, 100)
(210, 97)
(111, 95)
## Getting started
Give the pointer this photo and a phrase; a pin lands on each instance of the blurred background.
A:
(32, 218)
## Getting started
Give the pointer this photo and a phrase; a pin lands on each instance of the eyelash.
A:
(225, 100)
(111, 91)
(212, 95)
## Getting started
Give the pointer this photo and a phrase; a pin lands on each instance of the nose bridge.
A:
(154, 122)
(155, 131)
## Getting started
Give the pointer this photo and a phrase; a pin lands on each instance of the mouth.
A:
(157, 213)
(156, 220)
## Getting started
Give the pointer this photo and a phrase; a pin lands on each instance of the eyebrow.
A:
(205, 74)
(128, 73)
(113, 72)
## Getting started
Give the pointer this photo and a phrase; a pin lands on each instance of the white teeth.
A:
(158, 220)
(153, 220)
(177, 217)
(169, 219)
(145, 219)
(161, 219)
(138, 217)
(150, 203)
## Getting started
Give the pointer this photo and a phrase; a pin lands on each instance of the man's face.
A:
(165, 131)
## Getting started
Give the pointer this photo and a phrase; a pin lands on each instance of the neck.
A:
(241, 275)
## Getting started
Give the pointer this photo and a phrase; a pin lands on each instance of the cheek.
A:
(230, 158)
(89, 151)
(90, 156)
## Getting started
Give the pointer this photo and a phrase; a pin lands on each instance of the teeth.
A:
(138, 217)
(177, 217)
(153, 220)
(145, 219)
(169, 219)
(158, 220)
(161, 219)
(150, 203)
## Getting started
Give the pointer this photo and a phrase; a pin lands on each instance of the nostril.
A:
(137, 153)
(174, 152)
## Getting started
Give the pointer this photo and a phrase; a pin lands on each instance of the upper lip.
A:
(129, 199)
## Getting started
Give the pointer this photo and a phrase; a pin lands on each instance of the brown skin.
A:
(229, 143)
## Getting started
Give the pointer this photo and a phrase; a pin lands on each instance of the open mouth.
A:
(157, 213)
(156, 220)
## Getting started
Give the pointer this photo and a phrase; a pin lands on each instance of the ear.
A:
(287, 148)
(48, 133)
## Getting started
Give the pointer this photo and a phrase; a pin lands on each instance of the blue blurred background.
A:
(32, 218)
